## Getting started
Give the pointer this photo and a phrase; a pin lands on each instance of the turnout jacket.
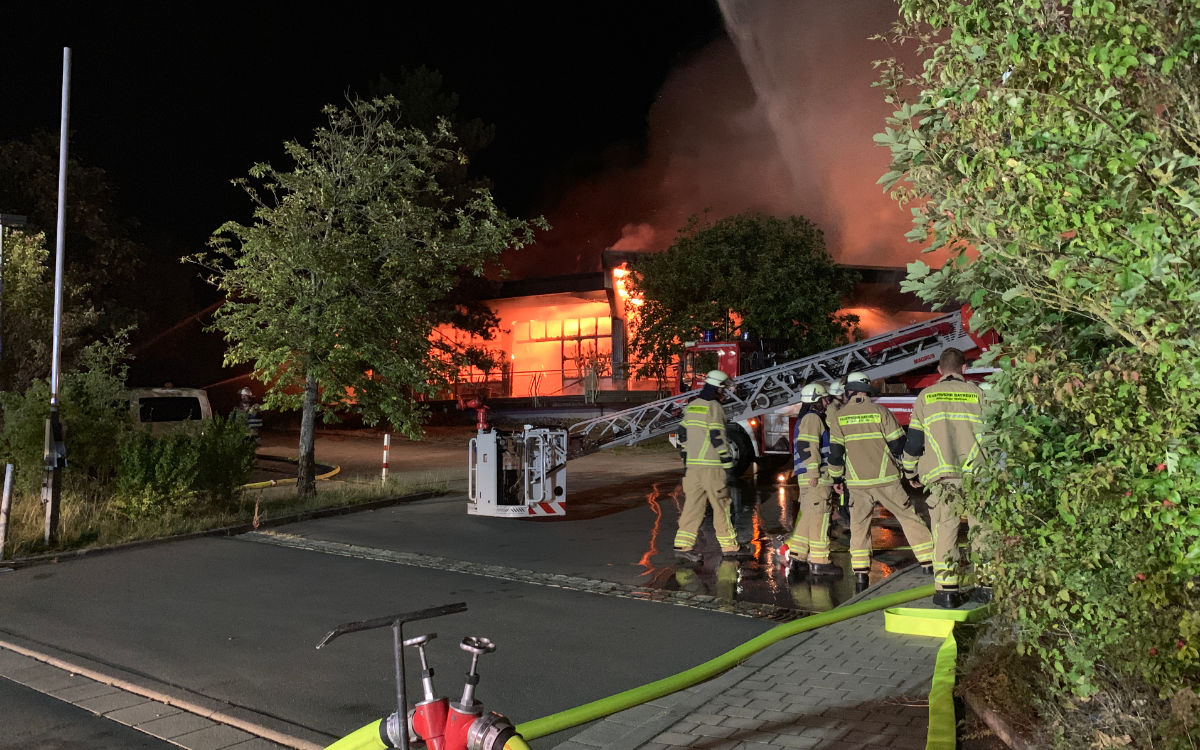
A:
(943, 436)
(703, 437)
(810, 447)
(865, 441)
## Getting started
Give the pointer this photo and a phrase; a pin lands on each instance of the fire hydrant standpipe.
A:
(369, 737)
(396, 622)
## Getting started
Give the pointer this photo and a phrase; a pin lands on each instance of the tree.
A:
(101, 256)
(334, 289)
(26, 315)
(1053, 151)
(748, 272)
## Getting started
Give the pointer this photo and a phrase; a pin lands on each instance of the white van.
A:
(160, 410)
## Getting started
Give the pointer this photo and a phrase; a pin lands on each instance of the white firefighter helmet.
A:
(717, 378)
(813, 392)
(246, 392)
(837, 388)
(858, 381)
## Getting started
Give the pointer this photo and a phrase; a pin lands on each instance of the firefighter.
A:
(943, 447)
(808, 545)
(865, 442)
(837, 397)
(708, 467)
(250, 411)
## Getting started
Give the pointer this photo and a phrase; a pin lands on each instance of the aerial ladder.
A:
(756, 393)
(537, 459)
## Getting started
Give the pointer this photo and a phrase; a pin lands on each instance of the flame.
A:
(874, 321)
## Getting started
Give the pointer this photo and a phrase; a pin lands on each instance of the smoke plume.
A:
(777, 117)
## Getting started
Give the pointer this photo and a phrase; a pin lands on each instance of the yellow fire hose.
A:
(290, 480)
(369, 737)
(938, 623)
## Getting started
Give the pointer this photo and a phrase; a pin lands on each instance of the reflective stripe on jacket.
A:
(864, 441)
(943, 436)
(705, 440)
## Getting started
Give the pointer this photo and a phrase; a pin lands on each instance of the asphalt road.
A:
(236, 619)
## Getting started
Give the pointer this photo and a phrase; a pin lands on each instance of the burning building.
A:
(566, 335)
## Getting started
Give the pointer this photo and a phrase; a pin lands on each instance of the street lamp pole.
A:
(55, 450)
(6, 220)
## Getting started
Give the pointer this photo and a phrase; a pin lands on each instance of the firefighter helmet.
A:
(246, 392)
(717, 378)
(837, 388)
(813, 392)
(857, 381)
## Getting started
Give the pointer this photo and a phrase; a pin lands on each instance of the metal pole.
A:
(55, 449)
(61, 232)
(401, 688)
(5, 506)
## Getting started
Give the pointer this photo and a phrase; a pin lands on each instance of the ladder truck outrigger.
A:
(524, 474)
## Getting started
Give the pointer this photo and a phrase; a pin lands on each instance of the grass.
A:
(87, 519)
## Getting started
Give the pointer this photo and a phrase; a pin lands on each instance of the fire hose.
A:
(447, 726)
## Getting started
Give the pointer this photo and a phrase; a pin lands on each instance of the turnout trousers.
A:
(810, 538)
(893, 497)
(704, 486)
(945, 520)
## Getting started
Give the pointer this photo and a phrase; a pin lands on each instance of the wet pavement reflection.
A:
(764, 513)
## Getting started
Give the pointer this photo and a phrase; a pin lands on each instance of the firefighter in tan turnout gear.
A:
(943, 447)
(808, 546)
(864, 449)
(705, 450)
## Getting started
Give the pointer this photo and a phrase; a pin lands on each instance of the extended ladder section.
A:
(883, 356)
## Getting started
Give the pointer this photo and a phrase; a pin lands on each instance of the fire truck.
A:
(524, 474)
(765, 399)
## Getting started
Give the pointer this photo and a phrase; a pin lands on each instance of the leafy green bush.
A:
(94, 412)
(157, 473)
(226, 448)
(1051, 152)
(204, 462)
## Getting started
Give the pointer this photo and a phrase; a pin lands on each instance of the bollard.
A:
(387, 442)
(5, 506)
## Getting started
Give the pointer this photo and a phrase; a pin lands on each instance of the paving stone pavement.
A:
(157, 717)
(845, 686)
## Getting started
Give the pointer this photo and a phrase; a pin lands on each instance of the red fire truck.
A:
(757, 407)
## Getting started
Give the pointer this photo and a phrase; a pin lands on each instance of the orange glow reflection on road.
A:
(652, 501)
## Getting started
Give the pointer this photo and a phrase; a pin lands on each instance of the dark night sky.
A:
(615, 119)
(175, 99)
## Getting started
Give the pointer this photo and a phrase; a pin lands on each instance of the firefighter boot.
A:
(824, 569)
(689, 556)
(861, 582)
(981, 595)
(948, 599)
(743, 552)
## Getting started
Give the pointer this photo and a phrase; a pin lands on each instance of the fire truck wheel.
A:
(740, 448)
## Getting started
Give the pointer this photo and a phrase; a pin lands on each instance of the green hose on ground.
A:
(368, 737)
(531, 730)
